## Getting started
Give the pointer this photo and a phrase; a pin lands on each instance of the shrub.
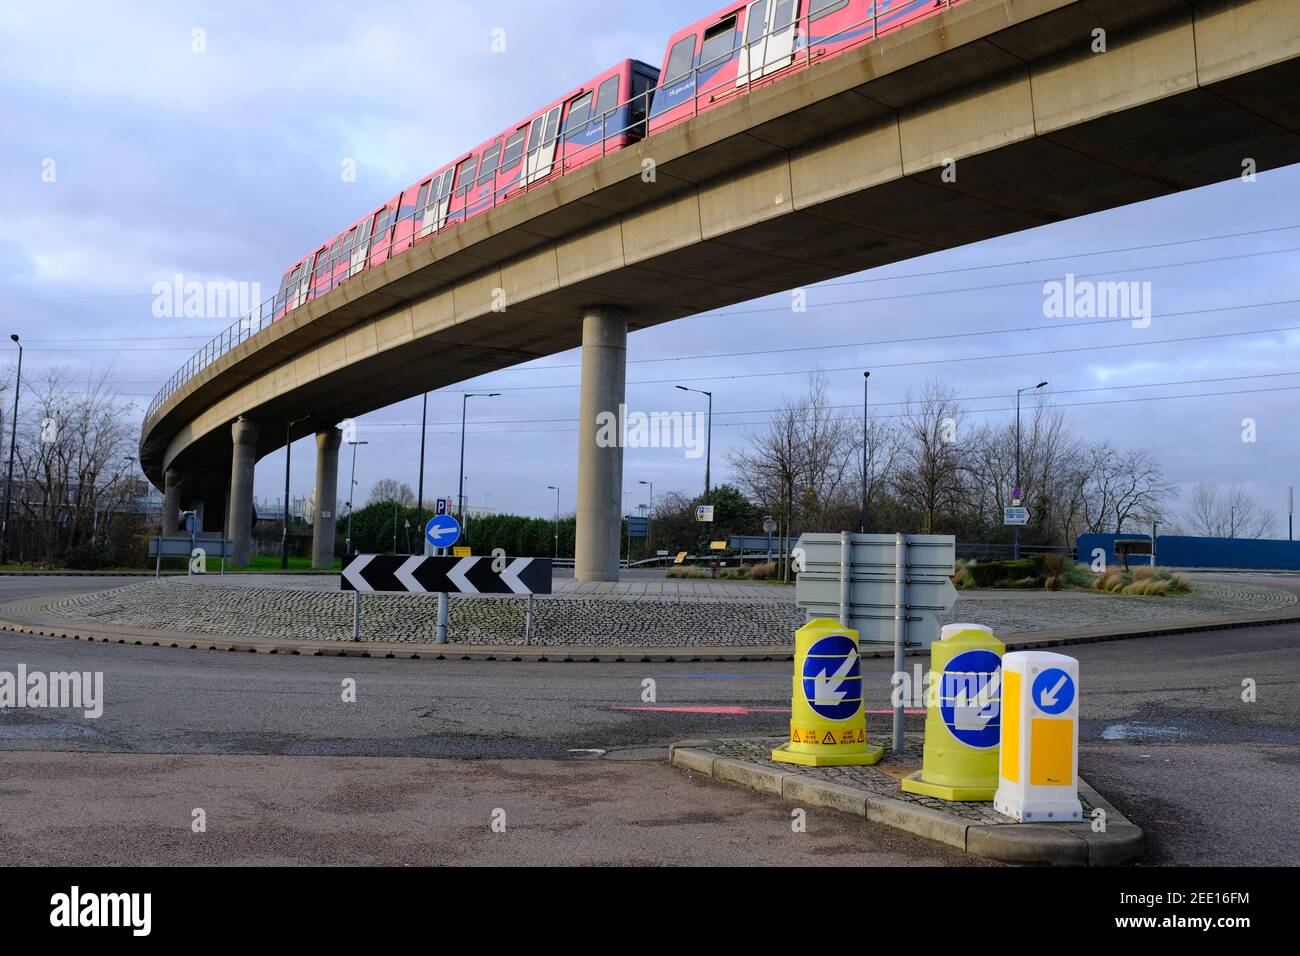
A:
(687, 571)
(764, 571)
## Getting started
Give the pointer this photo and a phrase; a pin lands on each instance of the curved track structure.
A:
(820, 173)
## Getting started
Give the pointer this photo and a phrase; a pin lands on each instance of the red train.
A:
(705, 64)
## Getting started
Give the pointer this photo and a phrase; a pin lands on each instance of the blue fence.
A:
(1185, 551)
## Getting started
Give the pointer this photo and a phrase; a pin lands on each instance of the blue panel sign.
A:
(970, 698)
(1053, 691)
(832, 678)
(442, 531)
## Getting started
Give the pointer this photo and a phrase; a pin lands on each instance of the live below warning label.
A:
(827, 737)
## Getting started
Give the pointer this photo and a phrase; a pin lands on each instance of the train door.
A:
(379, 240)
(769, 39)
(511, 156)
(542, 136)
(461, 196)
(302, 288)
(361, 247)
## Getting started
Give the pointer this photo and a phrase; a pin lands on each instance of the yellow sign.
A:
(828, 727)
(718, 545)
(1039, 778)
(963, 720)
(461, 552)
(681, 556)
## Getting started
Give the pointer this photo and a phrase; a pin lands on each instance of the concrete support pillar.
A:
(327, 497)
(171, 512)
(600, 459)
(239, 506)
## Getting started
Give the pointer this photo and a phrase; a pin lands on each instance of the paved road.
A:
(1165, 735)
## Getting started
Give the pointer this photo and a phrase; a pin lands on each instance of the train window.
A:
(487, 169)
(514, 149)
(284, 282)
(381, 221)
(822, 8)
(420, 198)
(607, 96)
(347, 241)
(465, 175)
(757, 25)
(719, 42)
(322, 264)
(579, 113)
(680, 59)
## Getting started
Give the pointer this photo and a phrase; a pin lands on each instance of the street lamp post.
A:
(460, 496)
(650, 518)
(1017, 496)
(708, 442)
(557, 517)
(866, 376)
(288, 448)
(13, 438)
(352, 494)
(419, 494)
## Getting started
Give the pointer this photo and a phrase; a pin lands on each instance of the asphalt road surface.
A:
(410, 772)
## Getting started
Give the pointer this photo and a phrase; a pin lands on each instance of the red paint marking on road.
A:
(736, 711)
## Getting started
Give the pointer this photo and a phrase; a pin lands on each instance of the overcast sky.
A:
(225, 164)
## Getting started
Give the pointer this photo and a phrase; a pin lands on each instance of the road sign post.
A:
(828, 726)
(963, 716)
(888, 588)
(1038, 776)
(872, 573)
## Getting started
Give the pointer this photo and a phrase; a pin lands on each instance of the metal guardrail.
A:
(278, 305)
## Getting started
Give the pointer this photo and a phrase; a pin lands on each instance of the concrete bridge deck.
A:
(825, 172)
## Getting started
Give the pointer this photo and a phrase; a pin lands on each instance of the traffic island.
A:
(873, 792)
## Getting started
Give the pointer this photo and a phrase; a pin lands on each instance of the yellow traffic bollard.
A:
(827, 725)
(1040, 746)
(963, 716)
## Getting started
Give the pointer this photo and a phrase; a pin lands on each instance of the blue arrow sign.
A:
(832, 678)
(970, 698)
(1053, 691)
(442, 531)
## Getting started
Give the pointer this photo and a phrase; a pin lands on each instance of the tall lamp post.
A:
(460, 496)
(708, 441)
(352, 493)
(419, 494)
(650, 518)
(288, 448)
(1015, 550)
(557, 517)
(13, 438)
(866, 377)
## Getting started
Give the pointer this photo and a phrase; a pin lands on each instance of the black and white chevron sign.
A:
(419, 574)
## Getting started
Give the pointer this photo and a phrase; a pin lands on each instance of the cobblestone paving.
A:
(697, 618)
(176, 604)
(880, 779)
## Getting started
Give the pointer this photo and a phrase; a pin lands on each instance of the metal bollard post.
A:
(528, 622)
(441, 636)
(900, 627)
(356, 616)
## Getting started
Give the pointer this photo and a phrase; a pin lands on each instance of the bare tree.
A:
(1121, 490)
(929, 477)
(798, 467)
(391, 491)
(1227, 514)
(72, 463)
